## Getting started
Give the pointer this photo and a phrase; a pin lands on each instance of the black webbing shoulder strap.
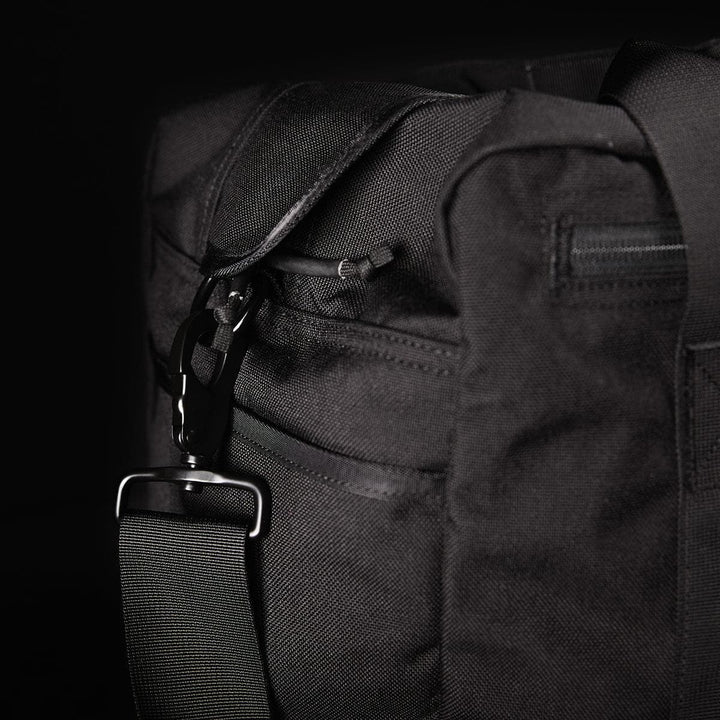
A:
(190, 631)
(673, 96)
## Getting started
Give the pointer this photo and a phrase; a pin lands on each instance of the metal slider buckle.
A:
(201, 412)
(193, 479)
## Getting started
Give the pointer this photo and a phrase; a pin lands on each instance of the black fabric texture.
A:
(389, 199)
(559, 570)
(296, 147)
(349, 570)
(191, 636)
(472, 451)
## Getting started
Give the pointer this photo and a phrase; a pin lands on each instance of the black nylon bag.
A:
(482, 386)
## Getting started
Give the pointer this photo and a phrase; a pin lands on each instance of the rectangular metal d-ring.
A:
(190, 476)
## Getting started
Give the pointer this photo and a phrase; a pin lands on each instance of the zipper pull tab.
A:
(345, 268)
(365, 266)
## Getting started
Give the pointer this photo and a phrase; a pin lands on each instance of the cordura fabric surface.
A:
(472, 453)
(679, 131)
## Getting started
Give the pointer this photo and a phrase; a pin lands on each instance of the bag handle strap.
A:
(673, 96)
(577, 75)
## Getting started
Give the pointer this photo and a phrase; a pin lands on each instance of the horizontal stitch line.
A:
(327, 478)
(389, 466)
(379, 335)
(230, 156)
(319, 185)
(410, 343)
(369, 333)
(332, 169)
(626, 249)
(394, 359)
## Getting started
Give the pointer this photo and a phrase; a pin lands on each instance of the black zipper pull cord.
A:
(361, 267)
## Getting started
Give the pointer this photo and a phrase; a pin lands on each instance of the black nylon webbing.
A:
(191, 639)
(674, 97)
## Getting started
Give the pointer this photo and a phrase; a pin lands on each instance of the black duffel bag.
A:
(446, 394)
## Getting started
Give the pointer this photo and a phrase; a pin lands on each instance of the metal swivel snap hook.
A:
(200, 412)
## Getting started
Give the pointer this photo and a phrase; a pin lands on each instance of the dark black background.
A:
(86, 84)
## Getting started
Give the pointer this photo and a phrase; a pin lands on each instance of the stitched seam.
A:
(389, 466)
(367, 352)
(605, 250)
(330, 170)
(327, 478)
(405, 341)
(468, 166)
(229, 156)
(392, 358)
(239, 137)
(342, 161)
(331, 325)
(565, 281)
(319, 183)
